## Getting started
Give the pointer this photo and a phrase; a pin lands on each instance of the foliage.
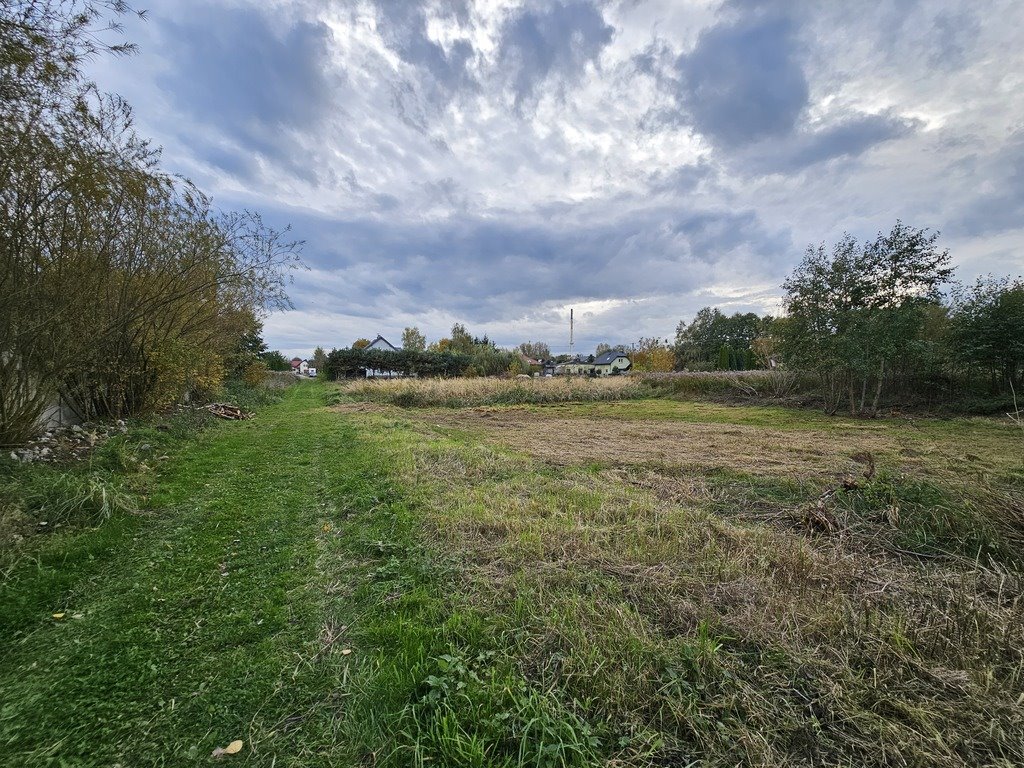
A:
(652, 355)
(987, 330)
(123, 288)
(255, 374)
(276, 361)
(319, 359)
(413, 340)
(360, 343)
(699, 344)
(860, 309)
(536, 350)
(351, 363)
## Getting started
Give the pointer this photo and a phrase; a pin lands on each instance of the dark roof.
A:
(608, 357)
(381, 338)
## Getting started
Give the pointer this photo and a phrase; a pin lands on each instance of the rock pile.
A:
(61, 444)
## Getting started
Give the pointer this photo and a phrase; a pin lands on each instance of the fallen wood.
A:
(228, 411)
(818, 517)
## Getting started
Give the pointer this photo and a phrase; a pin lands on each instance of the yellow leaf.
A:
(58, 615)
(233, 748)
(346, 652)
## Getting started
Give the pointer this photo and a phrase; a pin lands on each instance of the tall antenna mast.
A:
(570, 332)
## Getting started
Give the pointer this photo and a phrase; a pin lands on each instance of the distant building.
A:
(611, 362)
(300, 367)
(381, 344)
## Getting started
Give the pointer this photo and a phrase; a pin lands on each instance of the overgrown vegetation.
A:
(457, 393)
(123, 288)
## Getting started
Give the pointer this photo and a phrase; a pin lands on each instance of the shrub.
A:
(255, 374)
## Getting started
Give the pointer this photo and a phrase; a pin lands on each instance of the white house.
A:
(300, 367)
(381, 345)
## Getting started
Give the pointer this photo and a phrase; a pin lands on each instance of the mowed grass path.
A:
(218, 615)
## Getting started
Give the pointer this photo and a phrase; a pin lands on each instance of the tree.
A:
(653, 355)
(360, 343)
(699, 343)
(122, 287)
(856, 311)
(461, 340)
(602, 348)
(537, 350)
(276, 361)
(413, 340)
(987, 330)
(319, 360)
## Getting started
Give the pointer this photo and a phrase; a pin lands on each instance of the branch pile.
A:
(228, 411)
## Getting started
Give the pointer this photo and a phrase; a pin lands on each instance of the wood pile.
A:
(228, 411)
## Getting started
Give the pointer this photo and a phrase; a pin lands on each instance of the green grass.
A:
(202, 621)
(364, 588)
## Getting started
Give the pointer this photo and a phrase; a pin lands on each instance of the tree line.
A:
(123, 288)
(876, 318)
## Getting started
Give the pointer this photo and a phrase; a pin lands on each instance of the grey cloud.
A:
(744, 81)
(403, 26)
(483, 268)
(847, 138)
(952, 34)
(555, 41)
(235, 72)
(1000, 207)
(231, 65)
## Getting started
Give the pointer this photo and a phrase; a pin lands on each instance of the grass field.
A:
(605, 582)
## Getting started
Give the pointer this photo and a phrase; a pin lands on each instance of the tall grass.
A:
(462, 393)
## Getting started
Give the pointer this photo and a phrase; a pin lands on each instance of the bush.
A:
(255, 374)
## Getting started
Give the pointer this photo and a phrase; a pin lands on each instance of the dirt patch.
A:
(808, 454)
(361, 408)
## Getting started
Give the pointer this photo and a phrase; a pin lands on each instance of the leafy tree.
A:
(856, 311)
(653, 355)
(276, 361)
(700, 342)
(122, 287)
(725, 358)
(413, 340)
(987, 330)
(319, 360)
(537, 350)
(461, 340)
(360, 343)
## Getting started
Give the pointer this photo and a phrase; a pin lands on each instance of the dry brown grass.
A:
(489, 391)
(671, 588)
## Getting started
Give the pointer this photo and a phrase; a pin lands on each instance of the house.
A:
(380, 344)
(300, 367)
(614, 361)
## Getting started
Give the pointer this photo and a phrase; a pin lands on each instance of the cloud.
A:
(250, 79)
(554, 42)
(496, 162)
(234, 67)
(744, 81)
(443, 71)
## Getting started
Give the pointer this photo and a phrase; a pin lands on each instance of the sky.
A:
(497, 163)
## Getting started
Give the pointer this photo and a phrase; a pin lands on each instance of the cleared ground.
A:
(603, 583)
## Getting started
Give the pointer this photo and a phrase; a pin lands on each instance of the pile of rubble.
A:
(60, 444)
